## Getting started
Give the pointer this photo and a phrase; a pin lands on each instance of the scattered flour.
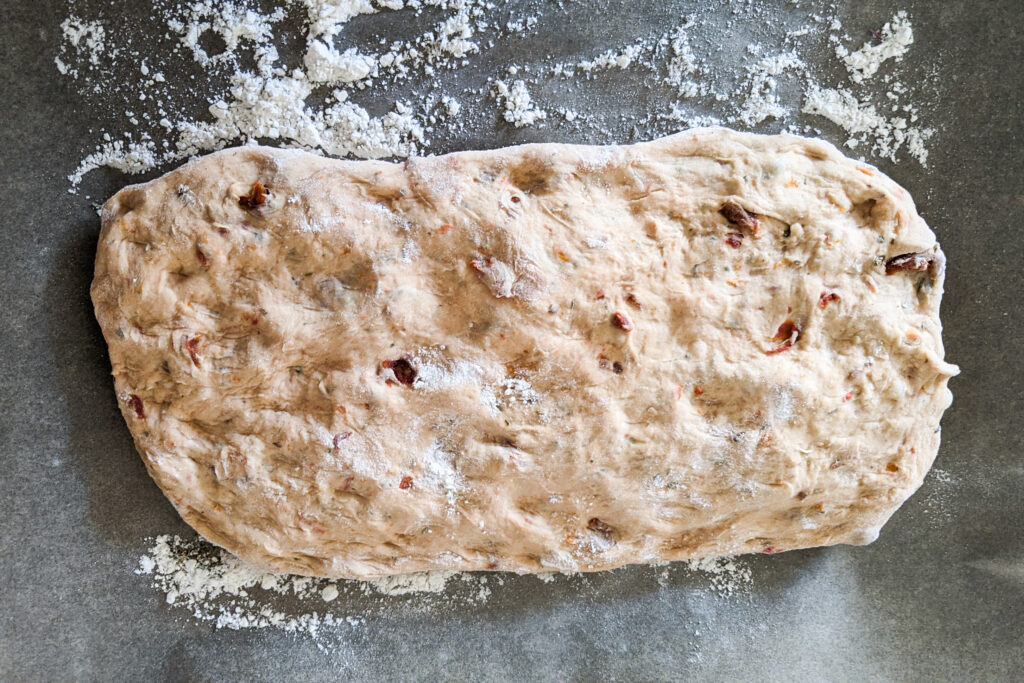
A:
(941, 476)
(235, 24)
(865, 125)
(762, 100)
(267, 101)
(728, 574)
(216, 587)
(252, 93)
(939, 492)
(324, 64)
(276, 109)
(612, 59)
(83, 40)
(402, 584)
(519, 108)
(127, 157)
(896, 38)
(682, 65)
(842, 107)
(327, 17)
(451, 106)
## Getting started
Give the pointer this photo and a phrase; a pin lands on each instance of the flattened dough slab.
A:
(546, 357)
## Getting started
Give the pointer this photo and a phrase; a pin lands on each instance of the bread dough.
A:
(546, 357)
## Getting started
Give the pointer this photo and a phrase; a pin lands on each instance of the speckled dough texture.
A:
(546, 357)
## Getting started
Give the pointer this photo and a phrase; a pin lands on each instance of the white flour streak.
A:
(682, 65)
(728, 574)
(762, 101)
(130, 157)
(403, 584)
(324, 64)
(866, 125)
(235, 24)
(897, 36)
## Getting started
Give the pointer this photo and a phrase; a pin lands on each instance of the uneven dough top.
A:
(534, 358)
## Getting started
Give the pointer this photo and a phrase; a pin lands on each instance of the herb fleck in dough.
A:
(547, 357)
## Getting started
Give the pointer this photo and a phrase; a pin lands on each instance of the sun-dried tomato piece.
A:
(192, 347)
(406, 483)
(734, 239)
(633, 301)
(912, 262)
(788, 330)
(788, 333)
(601, 527)
(256, 198)
(403, 370)
(740, 217)
(826, 298)
(136, 404)
(204, 260)
(622, 321)
(482, 265)
(338, 438)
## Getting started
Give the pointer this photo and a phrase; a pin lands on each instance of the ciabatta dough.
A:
(547, 357)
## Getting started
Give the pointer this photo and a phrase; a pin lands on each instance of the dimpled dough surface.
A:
(546, 357)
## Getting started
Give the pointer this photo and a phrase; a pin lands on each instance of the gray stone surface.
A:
(939, 596)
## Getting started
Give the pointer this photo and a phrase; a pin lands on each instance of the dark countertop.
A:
(940, 595)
